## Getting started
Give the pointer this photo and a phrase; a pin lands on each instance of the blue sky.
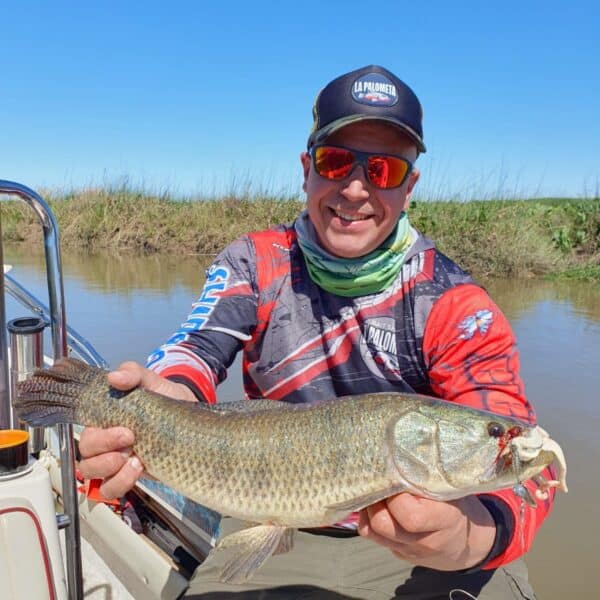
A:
(205, 97)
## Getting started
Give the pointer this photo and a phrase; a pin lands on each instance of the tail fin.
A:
(51, 395)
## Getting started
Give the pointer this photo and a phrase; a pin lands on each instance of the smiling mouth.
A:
(349, 217)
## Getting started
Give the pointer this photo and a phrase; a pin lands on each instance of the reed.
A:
(522, 238)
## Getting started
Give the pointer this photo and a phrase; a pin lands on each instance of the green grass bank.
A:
(522, 238)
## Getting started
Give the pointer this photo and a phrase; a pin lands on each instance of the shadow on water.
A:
(517, 297)
(122, 273)
(127, 305)
(128, 273)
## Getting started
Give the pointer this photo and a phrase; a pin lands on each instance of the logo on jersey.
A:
(480, 322)
(216, 281)
(379, 350)
(374, 89)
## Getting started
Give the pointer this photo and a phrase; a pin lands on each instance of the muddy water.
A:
(127, 305)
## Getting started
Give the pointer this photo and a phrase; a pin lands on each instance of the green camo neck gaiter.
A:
(352, 277)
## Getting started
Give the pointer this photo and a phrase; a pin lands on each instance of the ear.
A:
(412, 181)
(305, 160)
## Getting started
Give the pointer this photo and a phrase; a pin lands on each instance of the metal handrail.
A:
(60, 345)
(76, 342)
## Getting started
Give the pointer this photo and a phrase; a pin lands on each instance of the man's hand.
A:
(447, 536)
(106, 453)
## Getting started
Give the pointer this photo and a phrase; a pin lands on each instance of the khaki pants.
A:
(322, 567)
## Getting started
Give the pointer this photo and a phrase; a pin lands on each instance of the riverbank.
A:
(521, 238)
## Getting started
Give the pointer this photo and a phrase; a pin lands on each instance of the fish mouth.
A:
(530, 453)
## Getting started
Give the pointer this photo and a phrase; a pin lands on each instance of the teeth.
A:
(347, 217)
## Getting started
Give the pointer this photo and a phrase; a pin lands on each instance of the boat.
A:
(59, 539)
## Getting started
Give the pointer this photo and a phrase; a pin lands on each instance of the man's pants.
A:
(353, 567)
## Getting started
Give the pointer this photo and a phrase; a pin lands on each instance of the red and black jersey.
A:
(433, 331)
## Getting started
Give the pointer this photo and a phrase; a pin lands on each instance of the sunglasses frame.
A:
(361, 158)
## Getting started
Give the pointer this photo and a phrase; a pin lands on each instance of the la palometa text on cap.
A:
(374, 86)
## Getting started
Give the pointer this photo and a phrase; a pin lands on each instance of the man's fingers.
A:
(94, 441)
(120, 483)
(127, 376)
(104, 465)
(440, 535)
(381, 521)
(420, 515)
(403, 545)
(130, 375)
(379, 525)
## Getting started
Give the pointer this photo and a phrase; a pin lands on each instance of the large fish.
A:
(285, 466)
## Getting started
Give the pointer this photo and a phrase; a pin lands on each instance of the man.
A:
(350, 299)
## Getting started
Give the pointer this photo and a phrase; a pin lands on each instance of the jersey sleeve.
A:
(471, 357)
(221, 320)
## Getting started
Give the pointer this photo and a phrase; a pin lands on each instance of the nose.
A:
(356, 186)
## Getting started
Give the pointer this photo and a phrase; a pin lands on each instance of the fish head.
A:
(446, 451)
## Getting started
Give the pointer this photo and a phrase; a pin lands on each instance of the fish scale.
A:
(288, 465)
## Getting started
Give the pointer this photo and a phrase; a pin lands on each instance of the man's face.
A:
(351, 216)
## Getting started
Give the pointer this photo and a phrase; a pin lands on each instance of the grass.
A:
(583, 273)
(550, 237)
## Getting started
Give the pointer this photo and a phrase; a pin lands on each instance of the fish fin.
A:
(70, 370)
(359, 502)
(251, 548)
(51, 395)
(286, 543)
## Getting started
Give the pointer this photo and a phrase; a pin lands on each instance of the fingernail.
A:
(125, 453)
(135, 463)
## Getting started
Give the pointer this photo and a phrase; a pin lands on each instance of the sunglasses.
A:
(384, 171)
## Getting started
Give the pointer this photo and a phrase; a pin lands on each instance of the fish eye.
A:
(495, 429)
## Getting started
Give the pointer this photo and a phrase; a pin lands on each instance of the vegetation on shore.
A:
(523, 238)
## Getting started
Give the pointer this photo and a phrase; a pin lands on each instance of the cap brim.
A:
(320, 134)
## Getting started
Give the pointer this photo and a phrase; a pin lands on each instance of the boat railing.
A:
(76, 342)
(59, 334)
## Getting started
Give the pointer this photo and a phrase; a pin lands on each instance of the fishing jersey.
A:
(432, 331)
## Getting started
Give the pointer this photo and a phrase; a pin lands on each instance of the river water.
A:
(127, 305)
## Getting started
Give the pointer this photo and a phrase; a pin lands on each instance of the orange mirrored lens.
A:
(383, 171)
(333, 163)
(386, 171)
